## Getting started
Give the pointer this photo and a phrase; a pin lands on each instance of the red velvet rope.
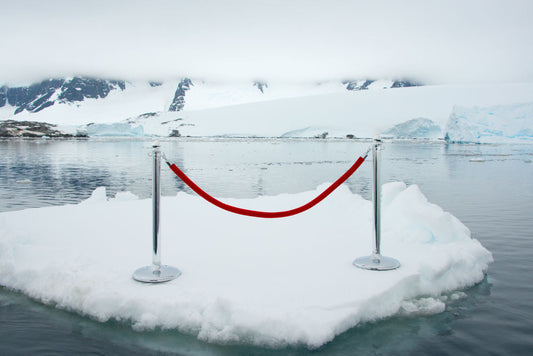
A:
(267, 214)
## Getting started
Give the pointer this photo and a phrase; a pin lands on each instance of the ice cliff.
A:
(493, 124)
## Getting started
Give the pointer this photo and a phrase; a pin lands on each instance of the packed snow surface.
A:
(245, 280)
(500, 123)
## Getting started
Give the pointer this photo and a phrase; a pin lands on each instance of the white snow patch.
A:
(125, 196)
(423, 306)
(261, 281)
(207, 95)
(458, 295)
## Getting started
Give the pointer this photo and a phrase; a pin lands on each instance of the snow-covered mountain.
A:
(40, 96)
(191, 107)
(103, 106)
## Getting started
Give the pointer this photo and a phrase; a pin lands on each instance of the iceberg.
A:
(414, 128)
(493, 124)
(114, 129)
(268, 282)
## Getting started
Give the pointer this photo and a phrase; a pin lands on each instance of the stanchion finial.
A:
(376, 261)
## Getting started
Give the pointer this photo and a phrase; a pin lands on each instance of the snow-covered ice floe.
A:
(245, 280)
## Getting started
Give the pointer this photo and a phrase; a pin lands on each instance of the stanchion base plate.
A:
(382, 263)
(147, 274)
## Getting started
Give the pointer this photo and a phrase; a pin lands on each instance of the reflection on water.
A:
(40, 173)
(488, 187)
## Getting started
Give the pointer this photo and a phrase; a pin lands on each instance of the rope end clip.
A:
(367, 152)
(164, 156)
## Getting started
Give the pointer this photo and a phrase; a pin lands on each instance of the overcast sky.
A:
(429, 40)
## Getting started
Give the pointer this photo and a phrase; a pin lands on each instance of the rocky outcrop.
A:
(178, 103)
(261, 86)
(3, 96)
(403, 83)
(365, 83)
(12, 128)
(357, 84)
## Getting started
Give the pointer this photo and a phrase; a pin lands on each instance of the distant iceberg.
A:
(114, 129)
(414, 128)
(494, 124)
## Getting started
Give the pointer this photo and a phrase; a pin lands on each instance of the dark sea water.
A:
(488, 187)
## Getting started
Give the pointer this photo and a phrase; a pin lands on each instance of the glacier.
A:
(492, 124)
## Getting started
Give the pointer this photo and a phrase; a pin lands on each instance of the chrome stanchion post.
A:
(157, 272)
(376, 261)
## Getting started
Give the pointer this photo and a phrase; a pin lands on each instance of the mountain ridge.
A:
(39, 96)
